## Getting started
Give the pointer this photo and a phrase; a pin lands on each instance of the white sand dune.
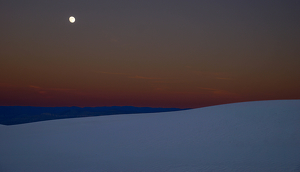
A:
(250, 136)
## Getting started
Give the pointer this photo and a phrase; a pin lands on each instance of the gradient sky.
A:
(155, 53)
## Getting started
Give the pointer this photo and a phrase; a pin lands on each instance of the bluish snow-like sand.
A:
(250, 136)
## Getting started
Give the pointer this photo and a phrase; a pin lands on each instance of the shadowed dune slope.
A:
(249, 136)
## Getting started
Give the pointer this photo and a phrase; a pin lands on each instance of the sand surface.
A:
(250, 136)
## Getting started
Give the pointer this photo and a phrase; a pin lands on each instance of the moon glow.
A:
(72, 19)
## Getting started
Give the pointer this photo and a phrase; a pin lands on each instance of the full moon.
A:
(72, 19)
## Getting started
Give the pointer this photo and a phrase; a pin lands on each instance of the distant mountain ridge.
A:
(11, 115)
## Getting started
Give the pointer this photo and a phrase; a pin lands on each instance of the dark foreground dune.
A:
(251, 136)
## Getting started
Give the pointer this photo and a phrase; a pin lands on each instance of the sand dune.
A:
(250, 136)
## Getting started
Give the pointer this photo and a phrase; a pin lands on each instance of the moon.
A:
(72, 19)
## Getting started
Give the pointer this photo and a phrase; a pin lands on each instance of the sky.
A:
(158, 53)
